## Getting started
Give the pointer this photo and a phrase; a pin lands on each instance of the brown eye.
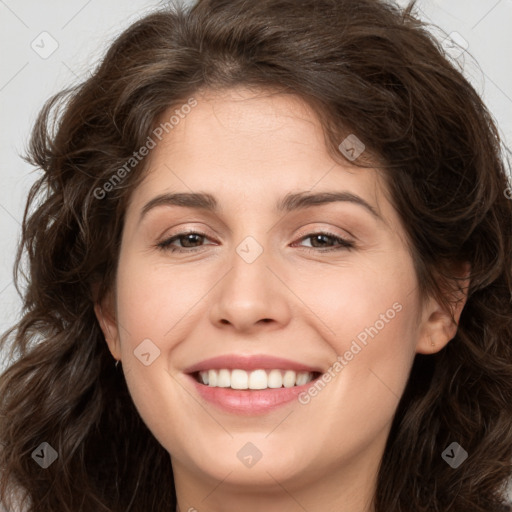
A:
(321, 241)
(188, 240)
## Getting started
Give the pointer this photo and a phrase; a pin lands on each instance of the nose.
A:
(251, 296)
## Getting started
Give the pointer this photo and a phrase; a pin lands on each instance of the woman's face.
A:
(264, 290)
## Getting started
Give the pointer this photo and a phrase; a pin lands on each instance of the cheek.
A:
(366, 295)
(162, 304)
(155, 301)
(367, 314)
(152, 318)
(367, 381)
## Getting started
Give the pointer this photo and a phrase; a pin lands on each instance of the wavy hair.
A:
(368, 68)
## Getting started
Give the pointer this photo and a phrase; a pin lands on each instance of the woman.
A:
(287, 224)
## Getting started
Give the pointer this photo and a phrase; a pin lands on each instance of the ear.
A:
(105, 314)
(437, 327)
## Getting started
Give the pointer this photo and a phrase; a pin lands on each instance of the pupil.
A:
(188, 238)
(320, 237)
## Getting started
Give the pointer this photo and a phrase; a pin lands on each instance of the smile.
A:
(256, 379)
(243, 384)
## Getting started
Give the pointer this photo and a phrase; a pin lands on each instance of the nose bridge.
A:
(249, 292)
(248, 282)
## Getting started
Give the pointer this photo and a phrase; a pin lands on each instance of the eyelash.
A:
(165, 245)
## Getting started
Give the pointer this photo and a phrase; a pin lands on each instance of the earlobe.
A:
(439, 326)
(438, 330)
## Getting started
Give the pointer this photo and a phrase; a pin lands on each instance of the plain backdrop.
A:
(46, 46)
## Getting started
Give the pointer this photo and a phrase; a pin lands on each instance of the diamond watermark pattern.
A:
(44, 45)
(454, 455)
(146, 352)
(455, 45)
(352, 147)
(249, 455)
(44, 455)
(249, 249)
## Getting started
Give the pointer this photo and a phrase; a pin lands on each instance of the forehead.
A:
(250, 149)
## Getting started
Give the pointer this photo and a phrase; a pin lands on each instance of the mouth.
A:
(259, 379)
(251, 393)
(241, 384)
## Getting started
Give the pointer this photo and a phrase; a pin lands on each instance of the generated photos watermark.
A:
(143, 151)
(355, 348)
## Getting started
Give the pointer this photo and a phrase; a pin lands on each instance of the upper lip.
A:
(252, 362)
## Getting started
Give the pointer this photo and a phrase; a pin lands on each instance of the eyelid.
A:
(343, 243)
(301, 234)
(176, 236)
(327, 230)
(177, 229)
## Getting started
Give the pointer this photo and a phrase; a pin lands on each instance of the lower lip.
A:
(249, 401)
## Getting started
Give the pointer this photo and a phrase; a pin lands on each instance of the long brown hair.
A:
(369, 69)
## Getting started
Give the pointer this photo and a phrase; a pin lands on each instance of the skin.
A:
(249, 149)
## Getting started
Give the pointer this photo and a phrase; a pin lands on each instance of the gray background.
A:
(82, 29)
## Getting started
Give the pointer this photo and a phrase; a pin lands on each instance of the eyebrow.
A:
(290, 202)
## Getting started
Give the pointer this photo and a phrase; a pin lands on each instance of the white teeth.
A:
(239, 379)
(275, 379)
(289, 379)
(223, 379)
(302, 378)
(257, 379)
(212, 378)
